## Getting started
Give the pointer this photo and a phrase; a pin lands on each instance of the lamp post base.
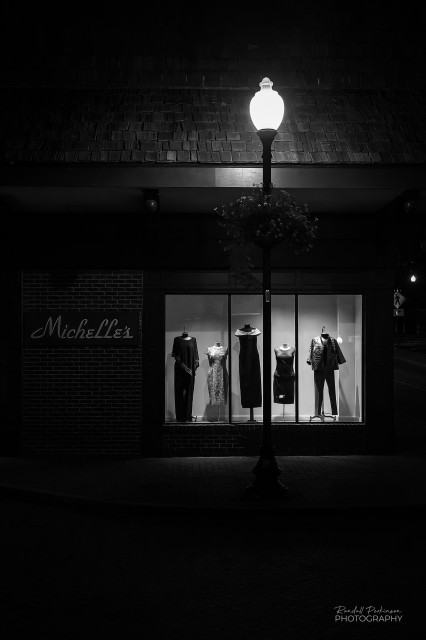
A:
(267, 472)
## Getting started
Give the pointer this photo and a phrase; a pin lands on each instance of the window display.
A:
(283, 358)
(203, 396)
(330, 328)
(214, 368)
(247, 351)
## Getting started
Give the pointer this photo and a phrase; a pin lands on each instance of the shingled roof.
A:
(196, 125)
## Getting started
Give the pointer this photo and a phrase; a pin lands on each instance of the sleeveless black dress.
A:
(284, 377)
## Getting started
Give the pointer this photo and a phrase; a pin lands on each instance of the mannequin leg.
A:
(319, 379)
(189, 397)
(179, 394)
(332, 391)
(184, 392)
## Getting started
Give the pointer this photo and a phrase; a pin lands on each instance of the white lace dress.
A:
(217, 375)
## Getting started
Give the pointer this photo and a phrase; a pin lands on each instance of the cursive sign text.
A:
(77, 328)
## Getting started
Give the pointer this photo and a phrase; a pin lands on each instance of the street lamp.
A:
(267, 112)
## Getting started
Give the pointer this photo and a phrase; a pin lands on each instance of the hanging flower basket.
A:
(259, 220)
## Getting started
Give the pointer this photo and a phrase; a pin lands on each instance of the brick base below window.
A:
(243, 439)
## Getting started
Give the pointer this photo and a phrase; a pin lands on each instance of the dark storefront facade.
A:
(97, 340)
(97, 343)
(85, 391)
(108, 184)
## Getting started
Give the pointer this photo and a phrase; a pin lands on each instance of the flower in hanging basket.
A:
(259, 220)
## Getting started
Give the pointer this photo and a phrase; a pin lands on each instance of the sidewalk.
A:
(202, 485)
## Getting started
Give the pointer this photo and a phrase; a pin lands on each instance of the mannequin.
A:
(249, 368)
(285, 347)
(185, 352)
(325, 356)
(324, 334)
(185, 335)
(283, 385)
(217, 375)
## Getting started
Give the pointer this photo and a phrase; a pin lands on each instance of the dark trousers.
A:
(184, 393)
(321, 376)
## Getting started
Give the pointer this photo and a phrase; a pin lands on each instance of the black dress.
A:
(249, 368)
(284, 377)
(185, 353)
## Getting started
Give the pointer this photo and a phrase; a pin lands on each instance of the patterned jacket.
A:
(334, 355)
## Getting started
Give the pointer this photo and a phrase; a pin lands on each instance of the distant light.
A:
(266, 107)
(409, 206)
(151, 205)
(413, 278)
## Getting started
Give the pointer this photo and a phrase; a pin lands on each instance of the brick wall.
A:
(245, 439)
(82, 400)
(207, 440)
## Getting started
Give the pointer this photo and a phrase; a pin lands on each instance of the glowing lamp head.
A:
(413, 278)
(266, 107)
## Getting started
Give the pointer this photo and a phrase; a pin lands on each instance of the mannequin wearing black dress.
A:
(284, 374)
(249, 367)
(185, 352)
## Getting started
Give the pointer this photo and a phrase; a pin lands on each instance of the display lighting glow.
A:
(266, 107)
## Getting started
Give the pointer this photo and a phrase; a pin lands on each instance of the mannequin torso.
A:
(284, 349)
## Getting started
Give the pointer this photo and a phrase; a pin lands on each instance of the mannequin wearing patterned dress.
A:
(217, 375)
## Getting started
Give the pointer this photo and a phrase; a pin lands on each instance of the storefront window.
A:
(283, 358)
(247, 357)
(330, 358)
(214, 358)
(197, 363)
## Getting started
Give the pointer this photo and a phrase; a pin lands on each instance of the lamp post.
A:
(267, 112)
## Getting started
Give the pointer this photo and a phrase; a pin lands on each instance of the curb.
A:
(410, 357)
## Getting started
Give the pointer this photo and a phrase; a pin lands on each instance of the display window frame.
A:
(300, 356)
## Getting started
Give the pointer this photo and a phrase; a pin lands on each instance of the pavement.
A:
(327, 484)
